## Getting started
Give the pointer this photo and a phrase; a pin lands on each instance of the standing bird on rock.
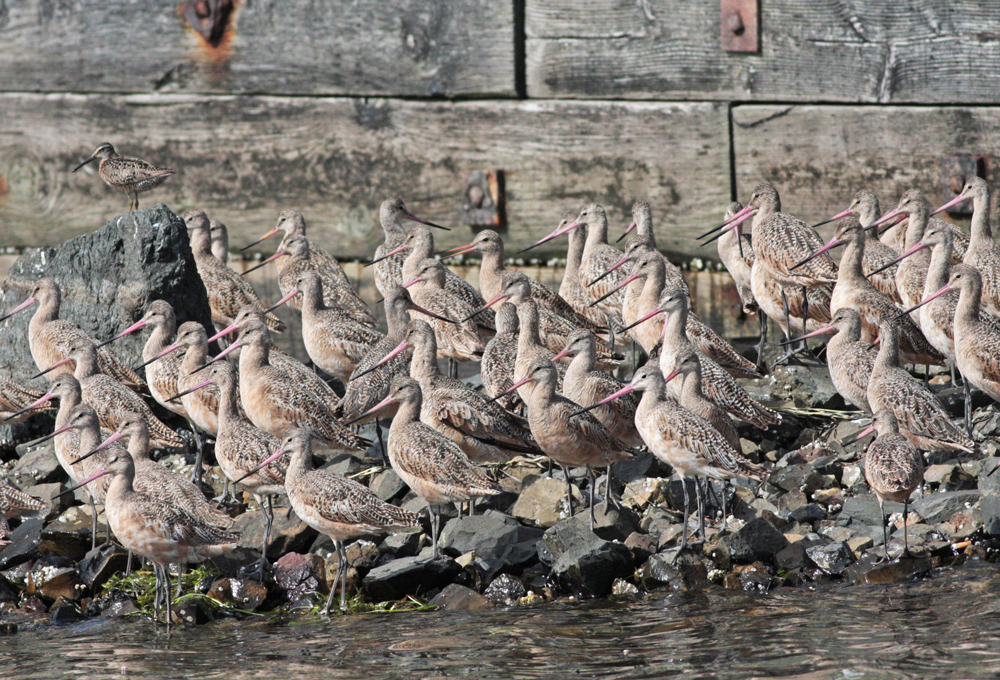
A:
(130, 175)
(227, 291)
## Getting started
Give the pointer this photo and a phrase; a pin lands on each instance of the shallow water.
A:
(945, 626)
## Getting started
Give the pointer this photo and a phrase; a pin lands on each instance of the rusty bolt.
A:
(476, 196)
(957, 183)
(735, 24)
(201, 9)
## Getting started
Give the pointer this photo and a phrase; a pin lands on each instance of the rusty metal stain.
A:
(483, 202)
(210, 18)
(740, 25)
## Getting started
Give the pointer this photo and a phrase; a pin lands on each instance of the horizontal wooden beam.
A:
(421, 48)
(818, 156)
(911, 51)
(244, 159)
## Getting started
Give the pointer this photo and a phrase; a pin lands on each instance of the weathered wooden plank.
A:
(396, 47)
(243, 159)
(918, 51)
(818, 156)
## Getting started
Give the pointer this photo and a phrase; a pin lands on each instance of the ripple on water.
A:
(947, 626)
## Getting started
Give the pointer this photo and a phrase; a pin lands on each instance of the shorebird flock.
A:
(923, 293)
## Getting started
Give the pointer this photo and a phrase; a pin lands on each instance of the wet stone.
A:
(235, 562)
(939, 507)
(806, 514)
(492, 536)
(756, 578)
(362, 554)
(102, 563)
(792, 557)
(65, 613)
(401, 544)
(757, 540)
(409, 576)
(59, 583)
(505, 590)
(864, 509)
(23, 543)
(298, 574)
(989, 486)
(386, 484)
(542, 502)
(37, 467)
(832, 558)
(873, 570)
(289, 534)
(677, 571)
(589, 568)
(7, 628)
(241, 593)
(459, 598)
(642, 546)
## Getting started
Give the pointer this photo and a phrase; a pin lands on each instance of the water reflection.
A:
(947, 626)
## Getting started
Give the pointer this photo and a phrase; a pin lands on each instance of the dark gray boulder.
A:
(409, 576)
(756, 541)
(107, 279)
(493, 536)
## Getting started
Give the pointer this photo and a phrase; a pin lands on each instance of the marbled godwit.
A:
(389, 269)
(736, 251)
(921, 418)
(914, 204)
(335, 339)
(50, 337)
(419, 246)
(484, 431)
(130, 175)
(432, 465)
(849, 358)
(335, 506)
(586, 385)
(14, 502)
(570, 289)
(494, 279)
(240, 448)
(295, 252)
(688, 370)
(159, 359)
(720, 387)
(530, 349)
(497, 367)
(877, 255)
(15, 402)
(202, 407)
(569, 437)
(220, 240)
(227, 291)
(982, 253)
(109, 398)
(276, 403)
(252, 317)
(683, 440)
(854, 290)
(155, 529)
(894, 469)
(458, 340)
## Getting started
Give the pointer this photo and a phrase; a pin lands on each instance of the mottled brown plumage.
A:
(849, 358)
(894, 469)
(497, 367)
(461, 340)
(530, 348)
(220, 240)
(983, 252)
(228, 292)
(736, 253)
(14, 398)
(688, 372)
(570, 289)
(14, 502)
(877, 254)
(977, 337)
(132, 176)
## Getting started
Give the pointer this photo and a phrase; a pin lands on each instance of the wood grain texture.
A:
(398, 47)
(920, 51)
(243, 159)
(819, 156)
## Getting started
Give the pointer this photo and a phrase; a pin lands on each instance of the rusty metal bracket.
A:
(955, 170)
(483, 204)
(740, 26)
(209, 17)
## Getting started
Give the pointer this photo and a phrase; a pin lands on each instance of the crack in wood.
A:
(766, 119)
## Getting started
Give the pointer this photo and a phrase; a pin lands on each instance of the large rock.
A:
(939, 507)
(459, 598)
(409, 576)
(23, 543)
(288, 533)
(107, 279)
(492, 536)
(799, 386)
(583, 562)
(864, 510)
(543, 501)
(832, 558)
(989, 486)
(756, 541)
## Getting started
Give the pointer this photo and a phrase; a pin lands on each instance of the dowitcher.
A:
(130, 175)
(431, 464)
(228, 292)
(49, 337)
(569, 437)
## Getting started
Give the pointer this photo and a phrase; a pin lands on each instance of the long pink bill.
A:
(819, 331)
(489, 304)
(164, 352)
(457, 250)
(520, 383)
(944, 290)
(562, 353)
(624, 282)
(411, 282)
(734, 225)
(220, 356)
(625, 233)
(742, 213)
(836, 217)
(673, 374)
(195, 388)
(829, 245)
(88, 480)
(373, 410)
(611, 397)
(643, 319)
(421, 220)
(35, 404)
(401, 347)
(886, 217)
(284, 298)
(920, 246)
(223, 333)
(261, 239)
(24, 305)
(100, 447)
(555, 234)
(266, 261)
(394, 251)
(49, 436)
(953, 202)
(131, 329)
(267, 461)
(615, 266)
(864, 433)
(61, 362)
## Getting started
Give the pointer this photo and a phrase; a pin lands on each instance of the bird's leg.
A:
(269, 522)
(166, 593)
(805, 317)
(725, 494)
(199, 455)
(548, 472)
(592, 482)
(181, 570)
(325, 611)
(967, 390)
(569, 490)
(790, 352)
(927, 375)
(906, 514)
(434, 531)
(635, 358)
(342, 565)
(156, 596)
(701, 508)
(684, 529)
(452, 368)
(762, 321)
(128, 564)
(611, 499)
(381, 444)
(885, 531)
(93, 522)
